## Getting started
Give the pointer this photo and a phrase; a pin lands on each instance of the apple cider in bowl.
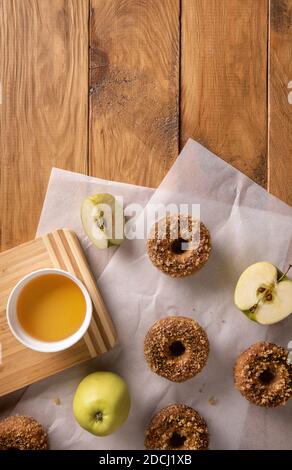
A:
(51, 307)
(49, 310)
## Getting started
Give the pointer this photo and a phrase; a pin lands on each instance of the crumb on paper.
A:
(212, 401)
(57, 401)
(201, 389)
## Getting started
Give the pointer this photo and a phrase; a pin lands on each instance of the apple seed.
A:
(253, 308)
(261, 290)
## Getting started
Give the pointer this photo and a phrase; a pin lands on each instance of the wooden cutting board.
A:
(20, 366)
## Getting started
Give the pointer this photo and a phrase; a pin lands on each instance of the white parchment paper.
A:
(247, 225)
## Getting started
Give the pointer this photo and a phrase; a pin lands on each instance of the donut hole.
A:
(267, 376)
(176, 349)
(177, 246)
(176, 441)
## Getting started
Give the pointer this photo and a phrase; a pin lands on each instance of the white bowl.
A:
(24, 337)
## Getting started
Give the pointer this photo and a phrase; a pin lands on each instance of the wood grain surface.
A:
(224, 67)
(113, 88)
(134, 79)
(280, 103)
(43, 115)
(21, 366)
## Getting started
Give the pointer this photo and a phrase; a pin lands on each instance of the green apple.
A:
(103, 220)
(101, 403)
(264, 294)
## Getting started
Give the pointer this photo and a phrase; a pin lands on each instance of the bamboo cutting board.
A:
(21, 366)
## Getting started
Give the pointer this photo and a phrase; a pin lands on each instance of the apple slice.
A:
(103, 220)
(257, 275)
(264, 294)
(279, 307)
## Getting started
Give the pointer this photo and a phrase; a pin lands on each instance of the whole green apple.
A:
(101, 403)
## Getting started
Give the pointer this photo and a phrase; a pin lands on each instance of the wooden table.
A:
(114, 88)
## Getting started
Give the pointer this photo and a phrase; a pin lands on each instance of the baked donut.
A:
(176, 348)
(179, 245)
(263, 375)
(22, 433)
(177, 427)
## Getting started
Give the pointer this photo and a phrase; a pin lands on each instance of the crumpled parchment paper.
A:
(247, 225)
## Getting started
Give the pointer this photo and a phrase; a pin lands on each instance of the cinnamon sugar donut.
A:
(22, 433)
(263, 375)
(179, 245)
(176, 348)
(177, 427)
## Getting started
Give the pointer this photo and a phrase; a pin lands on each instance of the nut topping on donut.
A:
(179, 245)
(177, 427)
(263, 375)
(176, 348)
(22, 433)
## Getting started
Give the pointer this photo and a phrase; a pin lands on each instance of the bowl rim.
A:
(25, 338)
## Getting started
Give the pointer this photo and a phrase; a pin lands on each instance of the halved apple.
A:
(264, 294)
(103, 220)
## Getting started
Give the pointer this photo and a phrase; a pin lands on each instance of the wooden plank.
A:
(43, 115)
(223, 85)
(134, 65)
(280, 100)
